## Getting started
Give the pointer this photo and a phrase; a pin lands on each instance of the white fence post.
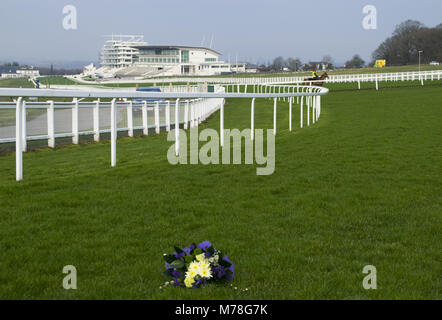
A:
(130, 119)
(24, 130)
(252, 119)
(113, 133)
(168, 116)
(144, 116)
(221, 124)
(192, 114)
(51, 124)
(186, 115)
(290, 113)
(302, 116)
(96, 115)
(313, 109)
(75, 135)
(157, 117)
(19, 140)
(274, 115)
(177, 127)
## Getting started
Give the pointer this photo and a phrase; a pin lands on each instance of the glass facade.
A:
(184, 56)
(159, 55)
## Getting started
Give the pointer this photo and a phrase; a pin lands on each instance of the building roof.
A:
(8, 69)
(174, 47)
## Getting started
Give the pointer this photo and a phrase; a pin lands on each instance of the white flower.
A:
(201, 257)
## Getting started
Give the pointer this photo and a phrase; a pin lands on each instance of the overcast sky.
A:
(254, 30)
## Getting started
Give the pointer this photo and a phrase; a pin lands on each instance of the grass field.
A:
(16, 83)
(48, 80)
(361, 186)
(407, 68)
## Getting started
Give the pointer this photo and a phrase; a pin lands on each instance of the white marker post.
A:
(51, 124)
(157, 117)
(177, 127)
(274, 115)
(221, 123)
(130, 119)
(144, 116)
(252, 119)
(113, 133)
(290, 113)
(168, 116)
(18, 140)
(24, 133)
(302, 116)
(75, 136)
(96, 115)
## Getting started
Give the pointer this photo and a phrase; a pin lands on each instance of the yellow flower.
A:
(188, 281)
(201, 257)
(206, 273)
(191, 274)
(194, 266)
(204, 264)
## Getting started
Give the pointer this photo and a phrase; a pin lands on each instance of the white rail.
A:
(197, 107)
(369, 77)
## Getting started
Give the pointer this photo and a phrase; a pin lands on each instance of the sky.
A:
(254, 30)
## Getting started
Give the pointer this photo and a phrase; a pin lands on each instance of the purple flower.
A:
(187, 250)
(204, 245)
(179, 255)
(231, 268)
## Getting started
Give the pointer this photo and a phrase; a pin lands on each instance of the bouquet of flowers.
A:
(197, 265)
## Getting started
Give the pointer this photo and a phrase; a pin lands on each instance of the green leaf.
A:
(168, 273)
(189, 258)
(178, 250)
(197, 251)
(177, 264)
(169, 258)
(228, 273)
(224, 263)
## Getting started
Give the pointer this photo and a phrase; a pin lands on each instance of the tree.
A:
(278, 63)
(355, 62)
(328, 61)
(407, 40)
(293, 64)
(407, 27)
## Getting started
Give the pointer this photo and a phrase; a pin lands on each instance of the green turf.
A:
(406, 68)
(16, 83)
(48, 80)
(361, 186)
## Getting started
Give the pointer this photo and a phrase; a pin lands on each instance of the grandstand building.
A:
(130, 56)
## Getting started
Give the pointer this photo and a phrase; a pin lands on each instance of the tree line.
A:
(401, 48)
(407, 40)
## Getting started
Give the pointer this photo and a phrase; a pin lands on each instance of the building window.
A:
(210, 59)
(184, 56)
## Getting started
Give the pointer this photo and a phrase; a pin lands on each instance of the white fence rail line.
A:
(152, 108)
(390, 76)
(197, 107)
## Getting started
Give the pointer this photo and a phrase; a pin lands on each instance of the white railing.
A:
(343, 78)
(197, 107)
